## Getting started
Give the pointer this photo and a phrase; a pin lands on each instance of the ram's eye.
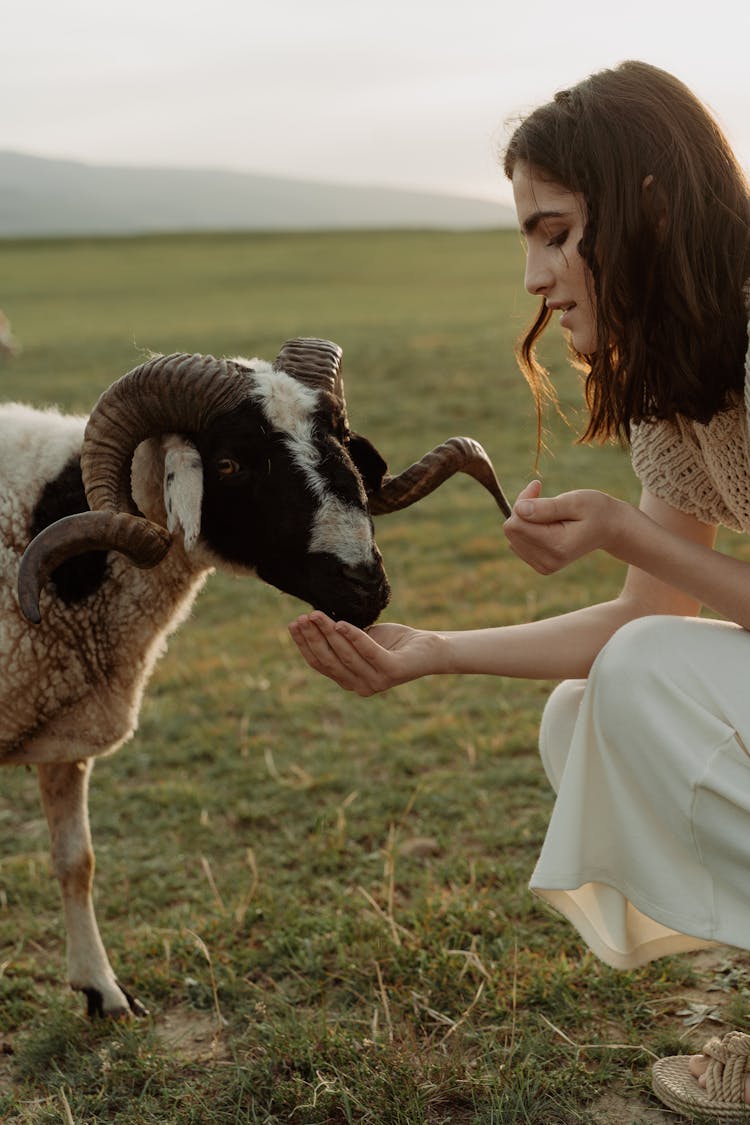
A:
(227, 467)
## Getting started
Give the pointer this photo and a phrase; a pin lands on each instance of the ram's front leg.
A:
(64, 789)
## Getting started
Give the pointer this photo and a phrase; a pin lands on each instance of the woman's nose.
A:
(538, 277)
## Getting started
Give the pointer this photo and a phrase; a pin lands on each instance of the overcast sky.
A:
(412, 93)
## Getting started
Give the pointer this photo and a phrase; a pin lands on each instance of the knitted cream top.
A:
(703, 470)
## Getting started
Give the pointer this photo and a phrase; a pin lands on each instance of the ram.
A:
(187, 463)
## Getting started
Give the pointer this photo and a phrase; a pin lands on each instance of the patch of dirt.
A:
(720, 958)
(697, 1010)
(191, 1035)
(614, 1109)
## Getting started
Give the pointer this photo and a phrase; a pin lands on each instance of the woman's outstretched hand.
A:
(550, 532)
(366, 662)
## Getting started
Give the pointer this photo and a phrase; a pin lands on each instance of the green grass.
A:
(326, 895)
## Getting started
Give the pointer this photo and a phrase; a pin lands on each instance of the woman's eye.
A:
(227, 467)
(559, 239)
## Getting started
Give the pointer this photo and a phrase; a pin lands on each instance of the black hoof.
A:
(134, 1003)
(95, 1005)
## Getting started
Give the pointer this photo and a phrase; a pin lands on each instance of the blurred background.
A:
(411, 95)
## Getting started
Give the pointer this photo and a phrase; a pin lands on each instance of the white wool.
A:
(35, 445)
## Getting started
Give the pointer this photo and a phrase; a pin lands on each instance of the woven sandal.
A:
(723, 1099)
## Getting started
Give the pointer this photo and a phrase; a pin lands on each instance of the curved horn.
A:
(456, 455)
(144, 543)
(179, 392)
(317, 363)
(176, 392)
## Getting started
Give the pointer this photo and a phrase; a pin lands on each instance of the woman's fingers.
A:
(530, 491)
(549, 532)
(340, 651)
(316, 638)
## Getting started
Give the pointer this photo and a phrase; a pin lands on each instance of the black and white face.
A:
(283, 496)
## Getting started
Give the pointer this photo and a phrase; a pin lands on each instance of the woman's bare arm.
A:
(558, 530)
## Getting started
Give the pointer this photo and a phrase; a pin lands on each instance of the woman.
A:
(636, 217)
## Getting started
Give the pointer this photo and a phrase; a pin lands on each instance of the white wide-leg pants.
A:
(648, 849)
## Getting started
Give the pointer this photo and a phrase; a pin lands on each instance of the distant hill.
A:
(39, 196)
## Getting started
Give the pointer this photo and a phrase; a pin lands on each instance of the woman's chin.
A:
(582, 342)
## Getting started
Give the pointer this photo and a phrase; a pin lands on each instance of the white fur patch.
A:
(183, 487)
(342, 531)
(288, 405)
(339, 529)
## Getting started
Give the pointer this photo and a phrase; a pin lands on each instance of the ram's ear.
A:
(372, 468)
(183, 487)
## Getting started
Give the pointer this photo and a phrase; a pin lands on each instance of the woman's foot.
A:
(715, 1083)
(698, 1065)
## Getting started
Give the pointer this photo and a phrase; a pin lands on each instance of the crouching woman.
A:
(636, 217)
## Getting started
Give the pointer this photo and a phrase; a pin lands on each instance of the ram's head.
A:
(261, 472)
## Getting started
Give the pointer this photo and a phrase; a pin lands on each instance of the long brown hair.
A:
(666, 239)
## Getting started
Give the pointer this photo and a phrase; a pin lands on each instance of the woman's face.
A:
(551, 219)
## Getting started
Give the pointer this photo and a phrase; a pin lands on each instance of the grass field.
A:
(323, 900)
